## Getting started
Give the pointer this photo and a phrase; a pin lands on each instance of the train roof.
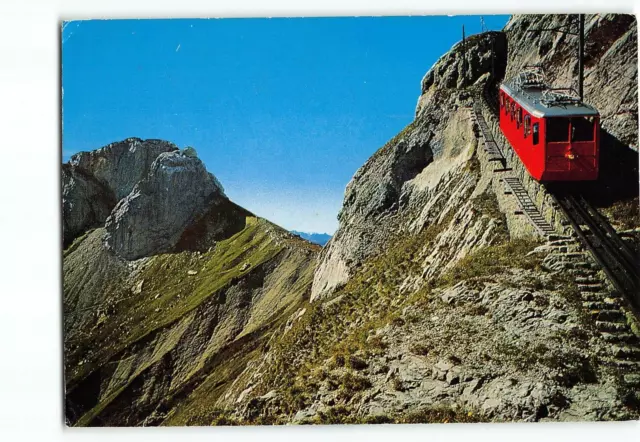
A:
(541, 101)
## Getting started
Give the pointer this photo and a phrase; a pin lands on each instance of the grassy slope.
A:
(340, 331)
(158, 316)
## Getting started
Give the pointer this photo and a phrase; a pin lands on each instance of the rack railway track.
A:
(615, 257)
(620, 264)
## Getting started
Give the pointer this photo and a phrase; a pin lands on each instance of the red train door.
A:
(584, 146)
(571, 152)
(557, 139)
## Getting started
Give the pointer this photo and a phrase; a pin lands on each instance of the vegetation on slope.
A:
(146, 315)
(332, 342)
(624, 213)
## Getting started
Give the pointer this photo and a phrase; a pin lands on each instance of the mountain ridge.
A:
(173, 271)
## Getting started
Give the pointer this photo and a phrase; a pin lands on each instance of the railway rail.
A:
(491, 147)
(618, 261)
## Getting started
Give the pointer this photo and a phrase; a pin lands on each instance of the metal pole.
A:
(493, 56)
(464, 59)
(581, 56)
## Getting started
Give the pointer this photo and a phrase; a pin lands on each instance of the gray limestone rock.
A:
(419, 170)
(153, 216)
(86, 203)
(93, 182)
(121, 165)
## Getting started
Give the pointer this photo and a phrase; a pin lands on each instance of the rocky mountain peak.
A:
(152, 217)
(382, 193)
(93, 182)
(172, 271)
(449, 71)
(122, 164)
(144, 192)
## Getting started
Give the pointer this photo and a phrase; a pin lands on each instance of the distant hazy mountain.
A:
(318, 238)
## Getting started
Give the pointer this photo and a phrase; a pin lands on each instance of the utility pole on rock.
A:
(464, 59)
(581, 56)
(483, 29)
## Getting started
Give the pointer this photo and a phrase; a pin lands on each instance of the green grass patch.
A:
(440, 415)
(169, 292)
(323, 335)
(489, 261)
(76, 243)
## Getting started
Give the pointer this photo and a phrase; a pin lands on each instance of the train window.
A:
(557, 129)
(518, 117)
(512, 110)
(536, 135)
(582, 129)
(527, 125)
(501, 99)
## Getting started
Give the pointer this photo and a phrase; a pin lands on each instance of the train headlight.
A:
(570, 155)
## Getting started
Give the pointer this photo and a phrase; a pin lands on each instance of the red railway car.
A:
(553, 132)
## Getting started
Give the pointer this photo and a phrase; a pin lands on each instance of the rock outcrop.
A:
(93, 182)
(152, 218)
(144, 192)
(121, 165)
(86, 202)
(448, 72)
(373, 193)
(391, 190)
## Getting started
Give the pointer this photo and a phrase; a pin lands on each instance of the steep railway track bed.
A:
(618, 261)
(609, 305)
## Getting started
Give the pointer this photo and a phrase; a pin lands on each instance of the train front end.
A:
(572, 148)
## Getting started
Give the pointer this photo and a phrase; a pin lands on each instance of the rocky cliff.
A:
(168, 285)
(436, 300)
(93, 182)
(153, 216)
(409, 183)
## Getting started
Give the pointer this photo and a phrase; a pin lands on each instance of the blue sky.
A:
(282, 111)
